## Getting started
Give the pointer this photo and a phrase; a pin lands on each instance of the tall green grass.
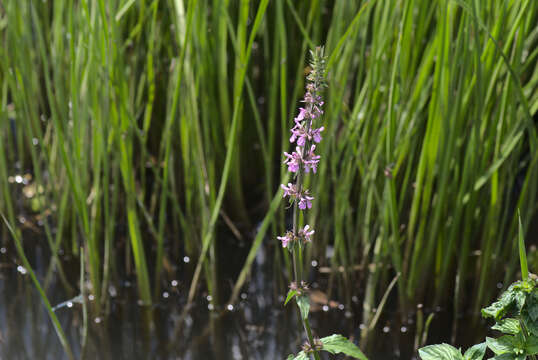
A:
(152, 126)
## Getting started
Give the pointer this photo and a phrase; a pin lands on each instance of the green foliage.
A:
(507, 326)
(291, 294)
(303, 301)
(336, 344)
(515, 314)
(449, 352)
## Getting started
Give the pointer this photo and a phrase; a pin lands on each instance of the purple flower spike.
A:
(303, 159)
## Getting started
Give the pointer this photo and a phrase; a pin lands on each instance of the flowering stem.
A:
(301, 162)
(297, 248)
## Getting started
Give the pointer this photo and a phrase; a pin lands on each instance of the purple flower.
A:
(316, 134)
(299, 133)
(301, 116)
(311, 160)
(290, 190)
(286, 239)
(293, 160)
(305, 201)
(306, 233)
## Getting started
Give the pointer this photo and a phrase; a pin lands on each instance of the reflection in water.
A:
(258, 327)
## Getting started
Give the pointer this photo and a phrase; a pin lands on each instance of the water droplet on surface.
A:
(3, 250)
(210, 307)
(69, 304)
(166, 295)
(341, 306)
(348, 314)
(403, 329)
(22, 219)
(97, 320)
(325, 308)
(186, 259)
(230, 307)
(314, 263)
(91, 297)
(243, 296)
(362, 326)
(174, 283)
(386, 329)
(35, 141)
(209, 297)
(18, 179)
(499, 285)
(22, 270)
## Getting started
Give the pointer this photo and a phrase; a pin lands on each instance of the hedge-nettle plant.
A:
(516, 317)
(300, 162)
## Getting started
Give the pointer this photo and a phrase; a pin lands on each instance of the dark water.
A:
(257, 327)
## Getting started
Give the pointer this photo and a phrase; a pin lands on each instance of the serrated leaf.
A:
(531, 346)
(336, 344)
(507, 326)
(504, 344)
(304, 305)
(520, 299)
(475, 352)
(291, 294)
(532, 306)
(506, 356)
(299, 356)
(440, 352)
(502, 306)
(532, 326)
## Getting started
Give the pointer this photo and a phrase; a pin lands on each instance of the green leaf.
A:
(506, 356)
(507, 326)
(440, 352)
(503, 305)
(532, 306)
(531, 346)
(499, 307)
(304, 305)
(532, 326)
(291, 294)
(522, 252)
(336, 344)
(300, 356)
(504, 344)
(475, 352)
